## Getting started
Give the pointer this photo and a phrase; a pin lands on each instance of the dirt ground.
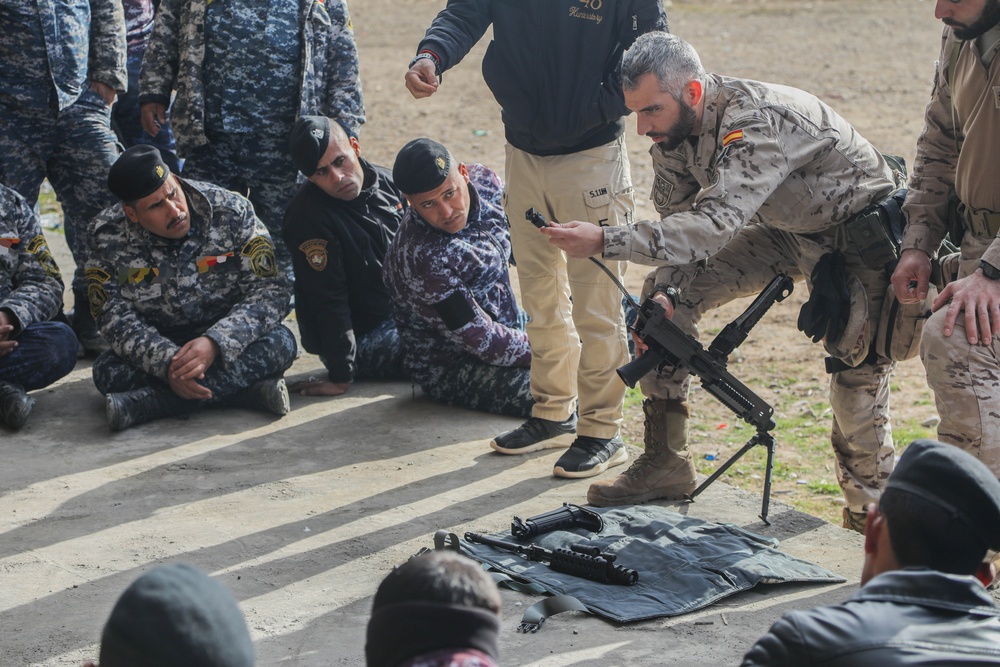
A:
(301, 517)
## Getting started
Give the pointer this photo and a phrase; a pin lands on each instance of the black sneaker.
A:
(534, 434)
(589, 456)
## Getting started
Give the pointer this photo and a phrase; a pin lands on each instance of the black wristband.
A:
(990, 271)
(670, 291)
(430, 56)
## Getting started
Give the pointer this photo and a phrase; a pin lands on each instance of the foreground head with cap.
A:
(327, 156)
(921, 601)
(436, 607)
(435, 184)
(940, 510)
(176, 615)
(151, 196)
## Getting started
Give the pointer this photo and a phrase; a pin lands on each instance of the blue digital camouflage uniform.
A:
(31, 290)
(232, 114)
(463, 334)
(151, 295)
(51, 125)
(125, 115)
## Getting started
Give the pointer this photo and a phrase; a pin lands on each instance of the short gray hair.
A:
(670, 58)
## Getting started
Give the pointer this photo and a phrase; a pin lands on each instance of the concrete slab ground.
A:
(302, 516)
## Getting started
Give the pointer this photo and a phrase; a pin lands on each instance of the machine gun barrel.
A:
(582, 561)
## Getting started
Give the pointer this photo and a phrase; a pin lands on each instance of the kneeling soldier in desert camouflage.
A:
(34, 351)
(753, 179)
(185, 288)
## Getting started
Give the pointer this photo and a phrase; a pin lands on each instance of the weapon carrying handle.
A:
(734, 333)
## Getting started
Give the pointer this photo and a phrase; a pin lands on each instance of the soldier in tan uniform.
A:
(957, 155)
(752, 179)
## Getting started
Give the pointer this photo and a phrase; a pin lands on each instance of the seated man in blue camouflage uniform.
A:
(186, 290)
(338, 229)
(446, 270)
(34, 351)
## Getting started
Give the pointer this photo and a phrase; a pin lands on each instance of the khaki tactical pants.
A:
(577, 327)
(859, 397)
(965, 378)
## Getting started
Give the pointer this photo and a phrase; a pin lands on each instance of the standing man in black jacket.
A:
(554, 68)
(922, 599)
(338, 228)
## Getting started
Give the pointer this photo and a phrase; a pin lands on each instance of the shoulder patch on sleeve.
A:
(40, 249)
(455, 311)
(662, 190)
(315, 252)
(735, 135)
(260, 250)
(95, 289)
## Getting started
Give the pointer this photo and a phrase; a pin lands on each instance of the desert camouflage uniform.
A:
(51, 125)
(242, 76)
(151, 295)
(767, 188)
(964, 377)
(462, 332)
(31, 289)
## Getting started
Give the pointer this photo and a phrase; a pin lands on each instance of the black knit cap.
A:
(308, 141)
(137, 173)
(421, 166)
(953, 480)
(176, 615)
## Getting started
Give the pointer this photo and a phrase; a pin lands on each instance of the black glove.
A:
(825, 314)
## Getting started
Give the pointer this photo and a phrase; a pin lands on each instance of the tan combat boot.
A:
(664, 470)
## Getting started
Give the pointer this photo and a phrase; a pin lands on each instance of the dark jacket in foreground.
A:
(338, 248)
(903, 617)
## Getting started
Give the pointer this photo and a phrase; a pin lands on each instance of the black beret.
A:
(177, 615)
(137, 173)
(421, 166)
(953, 480)
(308, 141)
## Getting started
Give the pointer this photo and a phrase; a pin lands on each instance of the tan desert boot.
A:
(664, 470)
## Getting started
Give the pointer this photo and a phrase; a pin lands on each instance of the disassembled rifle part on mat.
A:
(579, 560)
(567, 516)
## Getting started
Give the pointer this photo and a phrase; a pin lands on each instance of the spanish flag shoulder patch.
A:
(735, 135)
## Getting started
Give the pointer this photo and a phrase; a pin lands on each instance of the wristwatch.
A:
(670, 291)
(990, 271)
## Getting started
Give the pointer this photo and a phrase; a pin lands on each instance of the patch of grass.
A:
(633, 399)
(905, 433)
(824, 487)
